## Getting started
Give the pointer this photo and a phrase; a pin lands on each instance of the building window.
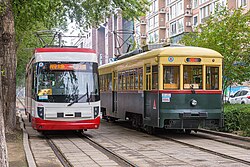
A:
(156, 21)
(177, 27)
(180, 25)
(180, 9)
(172, 12)
(203, 1)
(153, 37)
(206, 11)
(173, 30)
(195, 4)
(195, 20)
(242, 3)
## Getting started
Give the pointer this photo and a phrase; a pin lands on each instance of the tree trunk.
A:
(3, 146)
(8, 51)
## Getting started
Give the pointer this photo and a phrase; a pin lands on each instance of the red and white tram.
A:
(62, 89)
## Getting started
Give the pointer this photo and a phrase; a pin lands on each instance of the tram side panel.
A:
(106, 104)
(177, 112)
(151, 109)
(130, 104)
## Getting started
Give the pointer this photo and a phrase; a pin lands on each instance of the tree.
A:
(228, 32)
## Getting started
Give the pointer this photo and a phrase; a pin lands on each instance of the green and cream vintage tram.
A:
(171, 87)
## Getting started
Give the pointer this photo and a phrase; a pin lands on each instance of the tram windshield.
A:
(67, 82)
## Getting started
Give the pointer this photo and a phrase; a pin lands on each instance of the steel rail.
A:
(213, 136)
(58, 152)
(120, 158)
(206, 150)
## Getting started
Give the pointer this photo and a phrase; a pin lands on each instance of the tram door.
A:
(147, 99)
(114, 92)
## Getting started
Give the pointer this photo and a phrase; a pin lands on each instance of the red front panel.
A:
(40, 124)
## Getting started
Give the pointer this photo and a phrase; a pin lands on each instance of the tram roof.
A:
(66, 54)
(189, 51)
(85, 50)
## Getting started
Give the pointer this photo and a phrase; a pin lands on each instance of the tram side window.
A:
(132, 79)
(148, 77)
(124, 85)
(136, 78)
(127, 80)
(192, 77)
(171, 78)
(115, 81)
(109, 82)
(119, 81)
(155, 77)
(34, 82)
(212, 82)
(140, 72)
(101, 82)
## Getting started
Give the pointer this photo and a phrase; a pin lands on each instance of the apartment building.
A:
(168, 20)
(110, 39)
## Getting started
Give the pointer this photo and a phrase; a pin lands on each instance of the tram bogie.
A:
(173, 88)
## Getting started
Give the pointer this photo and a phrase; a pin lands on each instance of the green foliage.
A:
(228, 32)
(237, 118)
(2, 7)
(33, 15)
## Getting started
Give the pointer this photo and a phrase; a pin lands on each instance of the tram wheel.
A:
(150, 130)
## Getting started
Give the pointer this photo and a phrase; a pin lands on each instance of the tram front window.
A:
(192, 77)
(67, 82)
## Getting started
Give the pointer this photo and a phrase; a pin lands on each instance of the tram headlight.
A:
(193, 102)
(96, 111)
(40, 112)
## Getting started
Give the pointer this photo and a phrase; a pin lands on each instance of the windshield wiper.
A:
(86, 94)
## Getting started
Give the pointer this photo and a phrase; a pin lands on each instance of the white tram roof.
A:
(65, 55)
(190, 51)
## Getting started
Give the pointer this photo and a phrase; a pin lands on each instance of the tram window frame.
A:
(124, 85)
(136, 84)
(132, 82)
(119, 80)
(34, 80)
(209, 82)
(109, 82)
(127, 80)
(100, 79)
(140, 78)
(115, 77)
(148, 77)
(155, 77)
(174, 81)
(195, 77)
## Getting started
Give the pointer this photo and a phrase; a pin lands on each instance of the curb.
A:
(29, 156)
(225, 134)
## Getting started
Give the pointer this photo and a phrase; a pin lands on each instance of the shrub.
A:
(237, 118)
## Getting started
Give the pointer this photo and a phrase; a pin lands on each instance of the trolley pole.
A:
(60, 39)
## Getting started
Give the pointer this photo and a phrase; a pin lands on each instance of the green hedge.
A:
(237, 118)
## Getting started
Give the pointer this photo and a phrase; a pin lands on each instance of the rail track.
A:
(216, 139)
(196, 140)
(59, 142)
